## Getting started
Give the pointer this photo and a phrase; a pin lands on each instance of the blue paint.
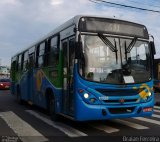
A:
(86, 110)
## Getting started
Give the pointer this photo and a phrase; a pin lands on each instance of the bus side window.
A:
(72, 53)
(31, 61)
(53, 58)
(65, 52)
(71, 60)
(25, 61)
(40, 54)
(19, 62)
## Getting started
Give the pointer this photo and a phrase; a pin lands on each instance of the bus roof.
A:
(72, 21)
(67, 24)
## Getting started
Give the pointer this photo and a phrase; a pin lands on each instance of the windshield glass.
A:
(115, 60)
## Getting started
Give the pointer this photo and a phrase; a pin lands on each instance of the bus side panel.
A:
(28, 87)
(40, 85)
(24, 88)
(31, 82)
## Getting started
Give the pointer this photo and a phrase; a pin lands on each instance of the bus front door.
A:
(68, 64)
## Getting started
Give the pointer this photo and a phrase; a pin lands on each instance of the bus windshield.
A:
(115, 60)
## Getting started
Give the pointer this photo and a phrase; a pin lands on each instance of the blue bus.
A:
(89, 68)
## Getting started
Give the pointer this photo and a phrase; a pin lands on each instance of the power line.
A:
(147, 4)
(126, 6)
(100, 3)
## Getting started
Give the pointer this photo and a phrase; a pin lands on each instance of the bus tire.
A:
(52, 112)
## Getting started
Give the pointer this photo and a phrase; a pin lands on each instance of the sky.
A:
(23, 22)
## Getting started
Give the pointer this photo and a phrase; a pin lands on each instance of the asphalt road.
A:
(26, 123)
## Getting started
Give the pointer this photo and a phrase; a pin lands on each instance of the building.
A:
(4, 72)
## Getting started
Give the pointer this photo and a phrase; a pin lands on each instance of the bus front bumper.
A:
(103, 112)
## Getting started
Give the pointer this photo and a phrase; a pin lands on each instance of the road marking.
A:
(156, 110)
(131, 124)
(148, 120)
(24, 131)
(155, 115)
(157, 107)
(71, 132)
(105, 128)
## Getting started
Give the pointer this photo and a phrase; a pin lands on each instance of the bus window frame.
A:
(25, 60)
(19, 62)
(49, 51)
(37, 51)
(31, 54)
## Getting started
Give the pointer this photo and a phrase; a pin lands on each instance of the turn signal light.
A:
(81, 90)
(92, 100)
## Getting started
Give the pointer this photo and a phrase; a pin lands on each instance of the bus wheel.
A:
(52, 112)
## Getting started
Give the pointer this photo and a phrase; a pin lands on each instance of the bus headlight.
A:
(149, 94)
(86, 95)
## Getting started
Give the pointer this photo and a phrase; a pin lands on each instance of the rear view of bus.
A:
(113, 70)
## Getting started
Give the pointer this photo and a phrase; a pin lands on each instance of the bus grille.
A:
(121, 110)
(119, 92)
(118, 101)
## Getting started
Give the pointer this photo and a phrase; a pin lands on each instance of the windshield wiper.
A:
(107, 42)
(133, 42)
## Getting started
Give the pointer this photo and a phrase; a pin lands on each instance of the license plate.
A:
(6, 86)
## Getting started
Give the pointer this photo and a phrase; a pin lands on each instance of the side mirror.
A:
(152, 46)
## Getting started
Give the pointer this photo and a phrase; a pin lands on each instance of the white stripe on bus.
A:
(23, 130)
(131, 124)
(148, 120)
(71, 132)
(103, 127)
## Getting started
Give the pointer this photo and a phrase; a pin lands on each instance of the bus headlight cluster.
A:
(88, 97)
